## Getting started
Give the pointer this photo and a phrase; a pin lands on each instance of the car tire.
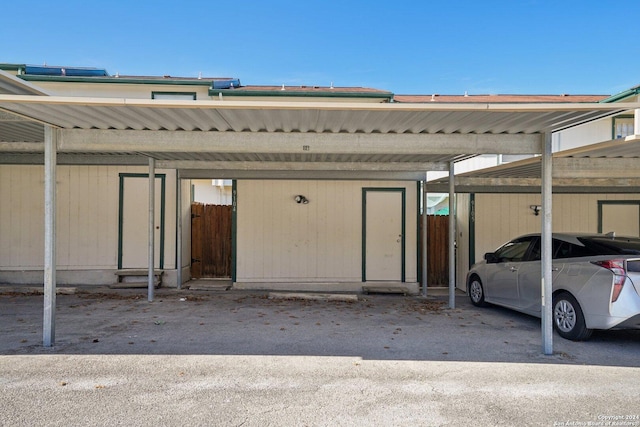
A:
(568, 319)
(476, 292)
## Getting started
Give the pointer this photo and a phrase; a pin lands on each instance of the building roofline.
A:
(317, 92)
(623, 95)
(122, 80)
(499, 98)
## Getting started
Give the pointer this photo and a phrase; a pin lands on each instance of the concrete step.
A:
(136, 278)
(373, 289)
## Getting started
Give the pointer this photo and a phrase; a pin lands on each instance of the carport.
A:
(279, 140)
(607, 167)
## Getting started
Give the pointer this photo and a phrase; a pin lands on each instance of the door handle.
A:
(513, 269)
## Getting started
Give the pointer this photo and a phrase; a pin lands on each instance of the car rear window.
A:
(612, 245)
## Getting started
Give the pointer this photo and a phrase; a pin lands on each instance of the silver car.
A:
(596, 281)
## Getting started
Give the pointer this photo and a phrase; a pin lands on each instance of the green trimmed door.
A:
(133, 236)
(383, 235)
(621, 217)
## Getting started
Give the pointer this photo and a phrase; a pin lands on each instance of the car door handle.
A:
(513, 269)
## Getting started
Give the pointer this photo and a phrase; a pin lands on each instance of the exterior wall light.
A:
(301, 199)
(536, 209)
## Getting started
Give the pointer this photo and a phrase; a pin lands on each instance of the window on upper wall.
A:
(622, 127)
(186, 96)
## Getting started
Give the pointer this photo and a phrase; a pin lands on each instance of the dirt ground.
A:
(105, 321)
(230, 358)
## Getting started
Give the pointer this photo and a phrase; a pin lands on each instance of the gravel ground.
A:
(238, 358)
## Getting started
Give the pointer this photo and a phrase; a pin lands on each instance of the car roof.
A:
(574, 237)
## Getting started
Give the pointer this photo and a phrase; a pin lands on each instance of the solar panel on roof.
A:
(65, 71)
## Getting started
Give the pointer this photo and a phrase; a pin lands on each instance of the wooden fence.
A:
(211, 248)
(437, 250)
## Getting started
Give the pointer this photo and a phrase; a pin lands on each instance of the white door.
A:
(624, 219)
(134, 217)
(384, 240)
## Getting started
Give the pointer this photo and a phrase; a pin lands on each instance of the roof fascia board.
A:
(533, 185)
(622, 95)
(318, 143)
(302, 175)
(12, 67)
(584, 167)
(22, 147)
(305, 166)
(275, 105)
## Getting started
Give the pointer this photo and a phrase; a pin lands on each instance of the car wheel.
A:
(476, 292)
(568, 319)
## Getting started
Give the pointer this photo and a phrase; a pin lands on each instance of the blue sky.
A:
(406, 47)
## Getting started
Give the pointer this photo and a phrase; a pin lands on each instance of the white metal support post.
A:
(425, 224)
(179, 229)
(49, 317)
(636, 121)
(152, 206)
(546, 246)
(452, 238)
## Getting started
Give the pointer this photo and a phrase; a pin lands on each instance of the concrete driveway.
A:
(237, 358)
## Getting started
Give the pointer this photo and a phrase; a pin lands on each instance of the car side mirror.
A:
(491, 258)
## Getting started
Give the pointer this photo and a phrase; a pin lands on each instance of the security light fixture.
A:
(536, 209)
(301, 199)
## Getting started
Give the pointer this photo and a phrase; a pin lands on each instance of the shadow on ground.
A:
(376, 327)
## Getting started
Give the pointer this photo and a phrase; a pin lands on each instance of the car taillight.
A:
(619, 275)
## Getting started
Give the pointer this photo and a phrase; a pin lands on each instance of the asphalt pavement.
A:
(231, 358)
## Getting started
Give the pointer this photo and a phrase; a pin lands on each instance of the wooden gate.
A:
(210, 240)
(437, 250)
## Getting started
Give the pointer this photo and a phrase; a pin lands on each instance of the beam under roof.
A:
(74, 140)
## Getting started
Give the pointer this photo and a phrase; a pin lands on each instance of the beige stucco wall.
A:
(279, 240)
(87, 216)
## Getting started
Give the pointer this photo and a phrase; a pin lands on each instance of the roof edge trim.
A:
(331, 93)
(622, 95)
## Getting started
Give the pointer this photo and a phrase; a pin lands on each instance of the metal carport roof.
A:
(236, 139)
(609, 166)
(244, 139)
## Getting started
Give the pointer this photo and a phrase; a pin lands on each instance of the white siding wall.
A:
(462, 242)
(279, 240)
(21, 202)
(209, 191)
(87, 216)
(589, 133)
(186, 229)
(501, 217)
